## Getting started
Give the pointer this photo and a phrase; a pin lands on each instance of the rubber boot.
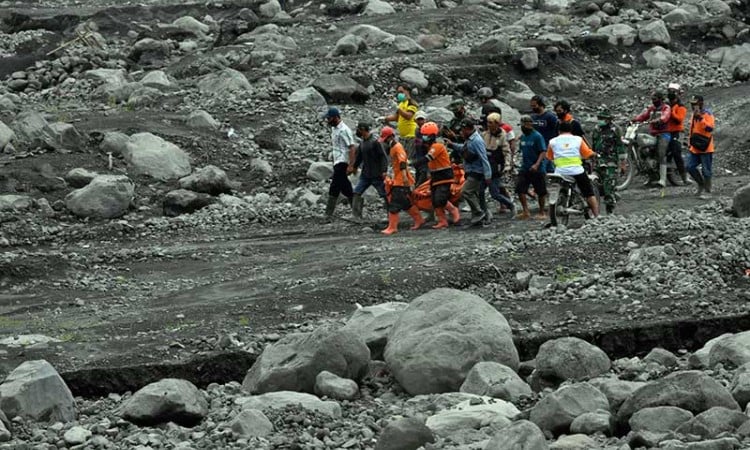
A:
(454, 212)
(442, 220)
(663, 175)
(357, 207)
(706, 195)
(392, 224)
(698, 177)
(331, 207)
(418, 219)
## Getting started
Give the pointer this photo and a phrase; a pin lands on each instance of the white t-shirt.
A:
(341, 139)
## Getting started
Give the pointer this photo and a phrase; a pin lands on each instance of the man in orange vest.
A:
(568, 152)
(675, 126)
(403, 183)
(701, 143)
(441, 175)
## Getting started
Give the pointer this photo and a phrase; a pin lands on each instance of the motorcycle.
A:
(566, 201)
(642, 159)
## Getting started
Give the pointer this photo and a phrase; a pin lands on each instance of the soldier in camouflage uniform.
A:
(610, 150)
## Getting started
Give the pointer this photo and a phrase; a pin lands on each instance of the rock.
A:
(519, 99)
(107, 76)
(209, 179)
(528, 57)
(570, 358)
(556, 411)
(66, 136)
(282, 399)
(414, 77)
(554, 5)
(261, 167)
(408, 433)
(349, 45)
(495, 380)
(467, 415)
(167, 400)
(293, 362)
(493, 45)
(741, 385)
(374, 323)
(441, 116)
(431, 41)
(592, 423)
(32, 129)
(36, 391)
(700, 359)
(224, 83)
(427, 4)
(308, 96)
(378, 7)
(522, 280)
(662, 357)
(320, 171)
(346, 7)
(251, 423)
(677, 16)
(731, 351)
(741, 202)
(331, 385)
(13, 202)
(654, 33)
(191, 25)
(717, 7)
(405, 44)
(151, 155)
(151, 52)
(182, 201)
(441, 336)
(5, 435)
(6, 135)
(269, 41)
(573, 442)
(270, 9)
(157, 79)
(560, 84)
(372, 35)
(712, 422)
(657, 57)
(104, 197)
(521, 435)
(79, 177)
(618, 34)
(76, 436)
(338, 88)
(114, 142)
(202, 120)
(691, 390)
(659, 419)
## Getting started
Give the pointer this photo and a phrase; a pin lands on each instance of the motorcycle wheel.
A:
(624, 179)
(557, 211)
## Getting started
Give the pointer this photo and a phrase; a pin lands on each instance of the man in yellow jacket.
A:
(404, 117)
(701, 142)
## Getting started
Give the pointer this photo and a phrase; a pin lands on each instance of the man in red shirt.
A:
(658, 114)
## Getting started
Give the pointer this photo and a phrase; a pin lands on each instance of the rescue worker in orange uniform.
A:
(403, 183)
(701, 141)
(441, 175)
(675, 126)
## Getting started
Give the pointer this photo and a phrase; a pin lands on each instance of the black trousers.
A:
(340, 183)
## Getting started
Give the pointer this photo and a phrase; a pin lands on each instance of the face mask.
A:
(603, 123)
(561, 115)
(401, 97)
(671, 96)
(527, 130)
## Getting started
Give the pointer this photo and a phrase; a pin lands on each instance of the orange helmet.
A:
(430, 129)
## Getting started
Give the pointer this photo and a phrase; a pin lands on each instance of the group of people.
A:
(485, 147)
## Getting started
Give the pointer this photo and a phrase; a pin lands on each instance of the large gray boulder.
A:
(414, 77)
(616, 390)
(333, 386)
(619, 34)
(308, 96)
(712, 422)
(339, 88)
(114, 142)
(741, 202)
(79, 177)
(151, 155)
(495, 380)
(107, 76)
(408, 433)
(202, 120)
(570, 358)
(378, 7)
(733, 351)
(192, 25)
(372, 35)
(677, 16)
(320, 171)
(494, 45)
(33, 130)
(293, 363)
(557, 410)
(105, 197)
(167, 400)
(474, 413)
(282, 399)
(183, 201)
(349, 44)
(692, 390)
(209, 179)
(521, 435)
(659, 419)
(741, 385)
(36, 391)
(6, 135)
(157, 79)
(441, 336)
(226, 82)
(654, 32)
(374, 323)
(657, 56)
(251, 423)
(13, 202)
(405, 44)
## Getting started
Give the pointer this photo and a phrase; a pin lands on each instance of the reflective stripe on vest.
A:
(567, 150)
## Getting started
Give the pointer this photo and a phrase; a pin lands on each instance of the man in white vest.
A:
(567, 152)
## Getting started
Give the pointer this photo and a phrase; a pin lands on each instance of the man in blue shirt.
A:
(545, 122)
(476, 166)
(532, 146)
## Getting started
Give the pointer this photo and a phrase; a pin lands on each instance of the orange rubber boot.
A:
(454, 212)
(418, 219)
(442, 221)
(392, 224)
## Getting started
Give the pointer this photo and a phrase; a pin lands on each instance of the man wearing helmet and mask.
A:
(657, 115)
(610, 152)
(675, 126)
(403, 183)
(441, 174)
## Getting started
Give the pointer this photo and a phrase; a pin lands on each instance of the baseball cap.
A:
(363, 126)
(525, 119)
(467, 123)
(333, 112)
(385, 133)
(420, 115)
(696, 99)
(673, 87)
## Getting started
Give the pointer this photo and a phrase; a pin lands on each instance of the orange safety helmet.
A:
(430, 129)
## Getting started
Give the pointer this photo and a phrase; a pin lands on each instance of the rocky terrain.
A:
(166, 281)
